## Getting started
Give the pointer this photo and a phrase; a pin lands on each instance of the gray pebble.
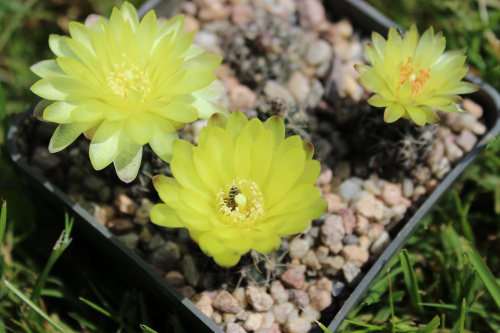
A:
(130, 239)
(166, 256)
(93, 183)
(156, 242)
(349, 189)
(350, 240)
(333, 230)
(351, 271)
(189, 268)
(337, 287)
(380, 243)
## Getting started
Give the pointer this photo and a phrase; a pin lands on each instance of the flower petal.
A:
(145, 36)
(308, 149)
(82, 34)
(47, 68)
(219, 147)
(311, 172)
(185, 173)
(195, 202)
(173, 25)
(87, 111)
(281, 179)
(84, 55)
(190, 82)
(165, 216)
(184, 149)
(235, 124)
(263, 242)
(106, 144)
(61, 88)
(168, 189)
(140, 128)
(227, 259)
(377, 101)
(286, 225)
(182, 43)
(430, 115)
(276, 125)
(217, 120)
(416, 114)
(130, 14)
(232, 239)
(393, 112)
(59, 46)
(262, 155)
(128, 161)
(210, 245)
(59, 112)
(178, 111)
(298, 198)
(204, 62)
(65, 134)
(77, 70)
(242, 161)
(116, 22)
(206, 169)
(163, 138)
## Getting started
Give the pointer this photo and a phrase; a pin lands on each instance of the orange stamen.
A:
(406, 74)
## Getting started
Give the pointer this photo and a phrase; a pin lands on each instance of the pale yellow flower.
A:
(126, 83)
(411, 76)
(243, 187)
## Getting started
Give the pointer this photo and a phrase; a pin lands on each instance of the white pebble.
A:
(319, 51)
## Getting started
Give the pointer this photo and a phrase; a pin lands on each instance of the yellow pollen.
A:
(128, 76)
(246, 209)
(417, 80)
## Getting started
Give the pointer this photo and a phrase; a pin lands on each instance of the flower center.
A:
(129, 81)
(417, 77)
(241, 204)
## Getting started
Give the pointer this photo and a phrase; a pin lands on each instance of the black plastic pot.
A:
(126, 263)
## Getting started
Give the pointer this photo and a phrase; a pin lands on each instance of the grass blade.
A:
(483, 271)
(97, 307)
(496, 195)
(82, 321)
(391, 304)
(323, 327)
(32, 305)
(61, 245)
(462, 317)
(411, 281)
(146, 329)
(432, 325)
(3, 220)
(23, 326)
(370, 326)
(463, 211)
(4, 126)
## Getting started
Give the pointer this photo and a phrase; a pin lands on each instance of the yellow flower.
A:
(411, 75)
(243, 187)
(123, 84)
